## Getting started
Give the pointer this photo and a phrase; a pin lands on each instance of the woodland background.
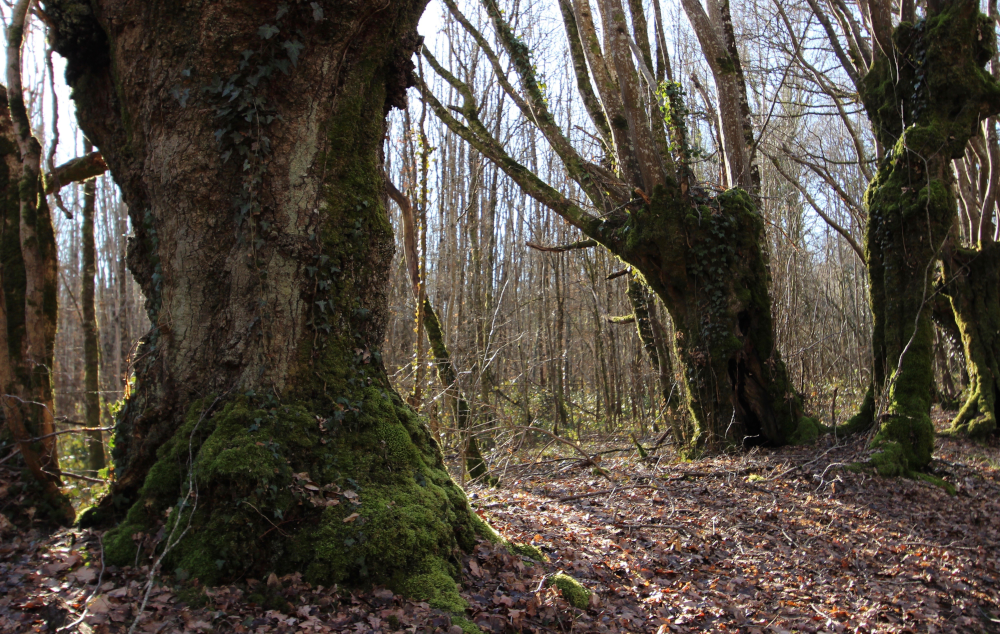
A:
(529, 331)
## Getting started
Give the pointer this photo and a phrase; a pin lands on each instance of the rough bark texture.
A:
(247, 140)
(703, 257)
(925, 99)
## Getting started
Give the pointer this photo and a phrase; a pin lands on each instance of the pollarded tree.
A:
(700, 253)
(247, 140)
(926, 92)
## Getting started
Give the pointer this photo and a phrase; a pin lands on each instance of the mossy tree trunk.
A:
(28, 276)
(972, 284)
(703, 257)
(925, 98)
(247, 140)
(31, 350)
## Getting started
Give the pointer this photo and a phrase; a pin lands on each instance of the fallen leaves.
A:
(766, 542)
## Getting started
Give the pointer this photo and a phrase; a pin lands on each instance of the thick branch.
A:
(75, 170)
(582, 244)
(576, 166)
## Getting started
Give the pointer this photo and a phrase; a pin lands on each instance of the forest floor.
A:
(771, 541)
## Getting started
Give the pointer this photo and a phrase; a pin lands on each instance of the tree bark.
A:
(925, 97)
(247, 140)
(38, 258)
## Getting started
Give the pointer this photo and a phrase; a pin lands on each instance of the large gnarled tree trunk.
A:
(247, 140)
(926, 94)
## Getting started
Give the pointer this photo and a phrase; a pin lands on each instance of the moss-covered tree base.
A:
(275, 488)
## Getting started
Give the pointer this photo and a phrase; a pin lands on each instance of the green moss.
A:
(807, 432)
(468, 627)
(527, 550)
(253, 514)
(434, 584)
(572, 590)
(938, 482)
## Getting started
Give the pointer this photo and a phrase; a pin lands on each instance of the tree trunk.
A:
(91, 343)
(925, 104)
(263, 245)
(27, 317)
(701, 254)
(972, 283)
(707, 265)
(32, 349)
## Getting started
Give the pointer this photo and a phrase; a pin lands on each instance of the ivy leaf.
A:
(282, 65)
(282, 10)
(317, 11)
(294, 47)
(267, 31)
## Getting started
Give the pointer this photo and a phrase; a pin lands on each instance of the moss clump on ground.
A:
(807, 432)
(572, 590)
(527, 550)
(468, 627)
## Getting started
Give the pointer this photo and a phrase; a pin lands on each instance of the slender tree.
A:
(91, 341)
